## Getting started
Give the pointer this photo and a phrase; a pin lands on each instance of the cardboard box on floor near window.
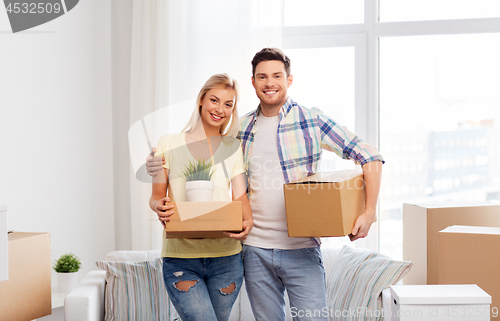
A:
(27, 293)
(421, 225)
(471, 255)
(324, 204)
(204, 219)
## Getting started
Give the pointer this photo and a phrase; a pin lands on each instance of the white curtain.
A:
(176, 46)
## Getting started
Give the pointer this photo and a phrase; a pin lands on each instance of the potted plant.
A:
(198, 175)
(67, 267)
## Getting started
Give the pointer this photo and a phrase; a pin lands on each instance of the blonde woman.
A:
(203, 276)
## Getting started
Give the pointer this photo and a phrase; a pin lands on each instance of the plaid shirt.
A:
(302, 135)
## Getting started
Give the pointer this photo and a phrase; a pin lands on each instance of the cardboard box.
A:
(421, 225)
(439, 302)
(471, 255)
(27, 293)
(324, 204)
(204, 219)
(4, 248)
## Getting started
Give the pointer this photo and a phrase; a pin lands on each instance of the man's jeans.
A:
(207, 300)
(268, 272)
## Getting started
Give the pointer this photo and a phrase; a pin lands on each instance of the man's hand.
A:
(247, 227)
(154, 164)
(362, 225)
(372, 174)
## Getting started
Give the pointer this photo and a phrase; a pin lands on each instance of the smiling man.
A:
(282, 142)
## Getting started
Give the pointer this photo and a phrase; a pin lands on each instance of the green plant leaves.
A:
(200, 170)
(67, 263)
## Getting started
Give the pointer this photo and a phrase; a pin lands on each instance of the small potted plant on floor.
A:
(67, 267)
(198, 175)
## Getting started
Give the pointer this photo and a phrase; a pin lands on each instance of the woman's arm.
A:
(159, 199)
(239, 184)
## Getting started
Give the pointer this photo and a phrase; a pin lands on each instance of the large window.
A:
(417, 10)
(439, 124)
(322, 12)
(425, 92)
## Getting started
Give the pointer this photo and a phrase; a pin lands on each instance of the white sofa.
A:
(86, 301)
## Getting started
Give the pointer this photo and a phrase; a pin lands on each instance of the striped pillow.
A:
(356, 283)
(135, 291)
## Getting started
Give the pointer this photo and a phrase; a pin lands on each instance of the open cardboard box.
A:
(204, 219)
(324, 204)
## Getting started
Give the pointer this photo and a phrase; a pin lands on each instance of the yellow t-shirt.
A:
(229, 163)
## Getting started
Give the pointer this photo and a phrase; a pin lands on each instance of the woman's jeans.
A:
(217, 284)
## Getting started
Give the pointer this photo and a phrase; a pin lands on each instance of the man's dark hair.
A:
(267, 54)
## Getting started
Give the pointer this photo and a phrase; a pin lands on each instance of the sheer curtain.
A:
(176, 46)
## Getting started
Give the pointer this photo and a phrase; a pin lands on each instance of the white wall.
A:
(56, 141)
(121, 29)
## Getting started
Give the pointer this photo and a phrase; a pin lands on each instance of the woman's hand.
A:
(239, 185)
(164, 210)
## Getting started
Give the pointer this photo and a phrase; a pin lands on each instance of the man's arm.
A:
(348, 145)
(372, 174)
(154, 164)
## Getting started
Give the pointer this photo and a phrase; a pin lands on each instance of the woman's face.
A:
(216, 108)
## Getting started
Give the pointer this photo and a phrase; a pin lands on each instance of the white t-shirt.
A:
(267, 199)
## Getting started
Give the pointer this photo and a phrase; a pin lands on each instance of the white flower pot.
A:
(67, 281)
(199, 191)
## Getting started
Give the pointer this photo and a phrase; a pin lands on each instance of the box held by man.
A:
(324, 204)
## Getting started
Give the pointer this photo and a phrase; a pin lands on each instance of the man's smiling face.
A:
(271, 84)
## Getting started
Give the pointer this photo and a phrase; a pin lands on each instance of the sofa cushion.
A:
(135, 291)
(354, 288)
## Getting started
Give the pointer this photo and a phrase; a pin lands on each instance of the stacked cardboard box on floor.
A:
(27, 293)
(471, 255)
(421, 226)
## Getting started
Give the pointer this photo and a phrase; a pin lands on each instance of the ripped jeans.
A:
(203, 288)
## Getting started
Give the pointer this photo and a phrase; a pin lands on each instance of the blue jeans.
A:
(217, 282)
(268, 272)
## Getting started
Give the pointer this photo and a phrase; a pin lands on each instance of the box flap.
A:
(329, 177)
(471, 229)
(190, 210)
(439, 294)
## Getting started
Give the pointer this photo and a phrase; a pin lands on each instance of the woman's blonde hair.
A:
(230, 128)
